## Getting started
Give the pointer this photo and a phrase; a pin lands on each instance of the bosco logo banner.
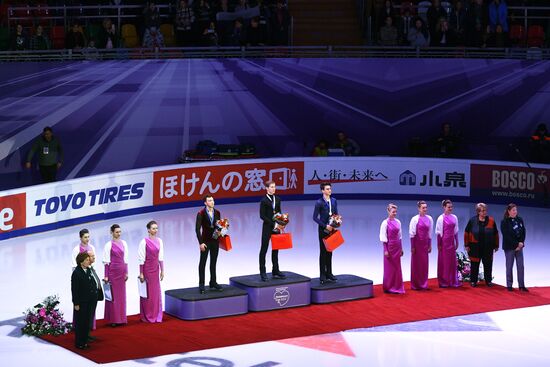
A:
(12, 212)
(510, 183)
(226, 181)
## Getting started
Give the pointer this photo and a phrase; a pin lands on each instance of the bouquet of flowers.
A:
(281, 219)
(222, 227)
(334, 221)
(46, 319)
(464, 266)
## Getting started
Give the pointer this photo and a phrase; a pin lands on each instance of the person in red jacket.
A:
(481, 241)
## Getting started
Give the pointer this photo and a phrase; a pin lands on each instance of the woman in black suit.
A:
(84, 292)
(513, 238)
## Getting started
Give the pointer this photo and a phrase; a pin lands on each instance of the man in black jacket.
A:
(84, 294)
(205, 228)
(269, 206)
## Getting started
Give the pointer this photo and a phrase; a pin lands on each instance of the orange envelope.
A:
(281, 241)
(333, 241)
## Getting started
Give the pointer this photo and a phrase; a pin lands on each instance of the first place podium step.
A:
(190, 304)
(274, 294)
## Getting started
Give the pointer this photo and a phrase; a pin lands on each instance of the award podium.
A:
(274, 294)
(190, 304)
(348, 287)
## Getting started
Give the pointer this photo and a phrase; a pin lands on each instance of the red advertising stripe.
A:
(13, 212)
(496, 177)
(237, 180)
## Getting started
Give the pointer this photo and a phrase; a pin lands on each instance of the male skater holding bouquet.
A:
(207, 235)
(269, 206)
(323, 213)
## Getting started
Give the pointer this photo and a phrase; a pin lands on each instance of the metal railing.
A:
(275, 52)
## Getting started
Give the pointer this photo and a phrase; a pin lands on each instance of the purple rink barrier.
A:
(347, 287)
(189, 304)
(274, 294)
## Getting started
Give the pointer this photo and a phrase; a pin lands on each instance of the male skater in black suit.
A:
(205, 227)
(325, 207)
(269, 206)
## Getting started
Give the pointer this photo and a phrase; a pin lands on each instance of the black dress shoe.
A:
(489, 284)
(202, 290)
(332, 277)
(263, 277)
(85, 346)
(278, 275)
(322, 280)
(473, 284)
(216, 286)
(523, 289)
(510, 289)
(91, 338)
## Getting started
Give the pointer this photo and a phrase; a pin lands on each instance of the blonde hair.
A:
(391, 206)
(480, 206)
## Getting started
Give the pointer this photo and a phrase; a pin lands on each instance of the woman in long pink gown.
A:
(390, 236)
(115, 259)
(420, 232)
(446, 229)
(151, 270)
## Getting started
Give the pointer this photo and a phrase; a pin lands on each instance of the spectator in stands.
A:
(210, 36)
(153, 38)
(405, 24)
(75, 38)
(19, 40)
(419, 36)
(185, 19)
(388, 33)
(255, 35)
(423, 6)
(50, 155)
(151, 15)
(408, 5)
(40, 41)
(203, 15)
(107, 37)
(443, 37)
(242, 5)
(280, 21)
(476, 23)
(435, 12)
(540, 145)
(446, 144)
(498, 38)
(498, 15)
(321, 149)
(349, 146)
(387, 11)
(457, 22)
(223, 6)
(238, 34)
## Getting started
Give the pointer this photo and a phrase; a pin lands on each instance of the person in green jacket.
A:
(50, 155)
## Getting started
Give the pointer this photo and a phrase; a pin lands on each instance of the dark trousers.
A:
(325, 257)
(487, 259)
(212, 248)
(48, 173)
(82, 321)
(512, 255)
(93, 306)
(266, 236)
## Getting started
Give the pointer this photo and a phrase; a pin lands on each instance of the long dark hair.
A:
(508, 208)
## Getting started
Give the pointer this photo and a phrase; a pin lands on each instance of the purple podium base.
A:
(274, 294)
(189, 304)
(347, 287)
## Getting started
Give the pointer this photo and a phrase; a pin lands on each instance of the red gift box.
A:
(281, 241)
(225, 243)
(333, 241)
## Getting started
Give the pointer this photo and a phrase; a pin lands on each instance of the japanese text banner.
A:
(226, 181)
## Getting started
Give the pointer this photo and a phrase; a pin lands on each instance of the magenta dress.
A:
(393, 277)
(447, 272)
(150, 308)
(116, 271)
(419, 260)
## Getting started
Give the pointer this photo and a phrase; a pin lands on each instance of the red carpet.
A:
(139, 340)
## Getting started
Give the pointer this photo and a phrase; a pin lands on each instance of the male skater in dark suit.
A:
(205, 227)
(325, 207)
(269, 206)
